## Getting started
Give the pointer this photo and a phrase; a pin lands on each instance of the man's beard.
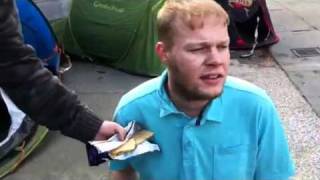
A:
(192, 94)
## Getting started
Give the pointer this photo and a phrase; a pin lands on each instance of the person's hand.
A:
(108, 129)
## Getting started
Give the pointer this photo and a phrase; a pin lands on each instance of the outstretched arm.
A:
(36, 91)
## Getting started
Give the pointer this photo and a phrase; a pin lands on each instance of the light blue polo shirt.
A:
(240, 136)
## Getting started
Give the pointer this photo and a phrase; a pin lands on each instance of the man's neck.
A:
(190, 107)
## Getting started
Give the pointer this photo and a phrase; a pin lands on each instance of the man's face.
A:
(198, 59)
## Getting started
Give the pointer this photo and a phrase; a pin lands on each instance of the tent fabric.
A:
(122, 33)
(119, 33)
(243, 23)
(38, 33)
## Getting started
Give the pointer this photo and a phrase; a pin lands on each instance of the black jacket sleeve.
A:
(34, 89)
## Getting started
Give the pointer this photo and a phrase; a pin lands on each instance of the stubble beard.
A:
(192, 94)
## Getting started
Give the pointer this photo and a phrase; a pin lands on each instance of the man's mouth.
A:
(211, 78)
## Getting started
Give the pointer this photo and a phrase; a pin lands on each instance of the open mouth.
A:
(211, 78)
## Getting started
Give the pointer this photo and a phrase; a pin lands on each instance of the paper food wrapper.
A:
(135, 144)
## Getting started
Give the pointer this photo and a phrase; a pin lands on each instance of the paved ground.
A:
(301, 123)
(298, 25)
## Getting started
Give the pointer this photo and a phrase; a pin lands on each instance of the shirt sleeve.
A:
(34, 89)
(273, 159)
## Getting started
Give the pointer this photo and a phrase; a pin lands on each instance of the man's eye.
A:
(223, 47)
(197, 49)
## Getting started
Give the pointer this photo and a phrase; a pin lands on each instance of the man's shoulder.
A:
(147, 88)
(237, 85)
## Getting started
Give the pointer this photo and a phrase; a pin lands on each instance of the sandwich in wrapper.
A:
(137, 138)
(134, 144)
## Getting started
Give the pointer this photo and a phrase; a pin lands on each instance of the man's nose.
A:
(214, 57)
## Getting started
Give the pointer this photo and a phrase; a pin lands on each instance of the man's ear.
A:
(161, 51)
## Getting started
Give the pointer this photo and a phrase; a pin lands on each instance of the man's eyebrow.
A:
(193, 44)
(226, 41)
(204, 43)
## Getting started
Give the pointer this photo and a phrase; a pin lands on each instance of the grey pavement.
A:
(300, 121)
(290, 81)
(298, 25)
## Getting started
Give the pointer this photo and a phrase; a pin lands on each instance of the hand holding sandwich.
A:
(109, 128)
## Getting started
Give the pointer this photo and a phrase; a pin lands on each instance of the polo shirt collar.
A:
(167, 107)
(213, 111)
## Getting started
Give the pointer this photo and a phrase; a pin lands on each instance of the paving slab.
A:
(285, 22)
(298, 27)
(306, 10)
(300, 121)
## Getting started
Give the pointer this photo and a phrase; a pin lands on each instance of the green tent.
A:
(119, 33)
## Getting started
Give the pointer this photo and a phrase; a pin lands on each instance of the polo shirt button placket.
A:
(186, 145)
(187, 150)
(186, 141)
